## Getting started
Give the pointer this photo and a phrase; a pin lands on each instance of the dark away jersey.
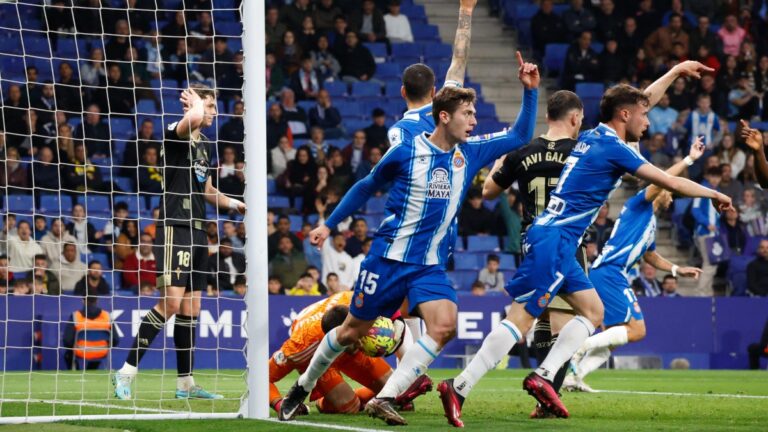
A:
(536, 168)
(187, 168)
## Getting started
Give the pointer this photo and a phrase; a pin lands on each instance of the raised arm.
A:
(697, 150)
(491, 189)
(685, 69)
(682, 186)
(458, 68)
(218, 199)
(194, 112)
(754, 139)
(653, 258)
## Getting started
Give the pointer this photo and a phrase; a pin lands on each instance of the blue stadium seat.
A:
(36, 44)
(21, 204)
(406, 52)
(54, 205)
(146, 106)
(737, 274)
(233, 28)
(462, 279)
(122, 128)
(485, 110)
(366, 89)
(124, 183)
(271, 186)
(554, 57)
(507, 262)
(597, 46)
(522, 22)
(466, 261)
(296, 222)
(95, 204)
(392, 89)
(221, 16)
(433, 51)
(278, 201)
(388, 71)
(350, 109)
(395, 108)
(66, 47)
(132, 200)
(590, 94)
(336, 88)
(376, 205)
(477, 243)
(413, 11)
(103, 259)
(10, 42)
(306, 105)
(425, 33)
(353, 125)
(373, 221)
(378, 49)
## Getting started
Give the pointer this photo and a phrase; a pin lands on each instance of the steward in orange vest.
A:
(88, 336)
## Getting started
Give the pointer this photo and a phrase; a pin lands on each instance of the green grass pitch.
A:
(632, 401)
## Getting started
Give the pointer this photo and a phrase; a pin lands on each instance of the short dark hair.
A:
(618, 97)
(92, 262)
(334, 317)
(561, 103)
(24, 222)
(669, 276)
(122, 205)
(493, 257)
(240, 280)
(418, 80)
(713, 171)
(331, 274)
(449, 99)
(203, 90)
(478, 284)
(40, 257)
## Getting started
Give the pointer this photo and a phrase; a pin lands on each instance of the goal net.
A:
(88, 88)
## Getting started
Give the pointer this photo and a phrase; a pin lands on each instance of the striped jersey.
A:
(633, 234)
(414, 123)
(591, 173)
(428, 186)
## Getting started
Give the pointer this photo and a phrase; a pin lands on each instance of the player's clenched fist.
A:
(318, 235)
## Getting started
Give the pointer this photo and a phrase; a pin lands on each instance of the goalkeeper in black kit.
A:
(181, 244)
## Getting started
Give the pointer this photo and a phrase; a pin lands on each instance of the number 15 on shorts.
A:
(367, 281)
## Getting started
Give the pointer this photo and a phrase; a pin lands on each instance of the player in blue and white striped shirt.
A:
(591, 173)
(633, 237)
(430, 175)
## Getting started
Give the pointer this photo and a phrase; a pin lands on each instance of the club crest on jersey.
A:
(200, 167)
(439, 186)
(458, 160)
(544, 300)
(359, 300)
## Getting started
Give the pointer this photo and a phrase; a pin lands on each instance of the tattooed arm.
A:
(458, 69)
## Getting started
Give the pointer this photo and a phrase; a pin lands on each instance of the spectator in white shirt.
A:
(22, 249)
(490, 276)
(337, 260)
(281, 155)
(69, 268)
(54, 240)
(398, 26)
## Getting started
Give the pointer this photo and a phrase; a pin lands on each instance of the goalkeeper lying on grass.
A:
(332, 393)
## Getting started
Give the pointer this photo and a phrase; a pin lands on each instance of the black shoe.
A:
(292, 402)
(383, 408)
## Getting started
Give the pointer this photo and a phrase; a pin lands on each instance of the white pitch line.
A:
(324, 425)
(93, 405)
(649, 393)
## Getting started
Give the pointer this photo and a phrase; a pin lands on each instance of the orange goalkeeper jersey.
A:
(306, 330)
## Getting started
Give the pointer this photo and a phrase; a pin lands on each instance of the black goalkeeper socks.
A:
(150, 326)
(184, 338)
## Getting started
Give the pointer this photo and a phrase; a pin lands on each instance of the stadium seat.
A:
(146, 106)
(737, 274)
(353, 125)
(124, 183)
(278, 201)
(522, 22)
(306, 105)
(466, 261)
(10, 43)
(373, 221)
(271, 186)
(392, 89)
(296, 222)
(132, 200)
(426, 33)
(413, 11)
(597, 47)
(336, 88)
(366, 89)
(462, 279)
(485, 110)
(486, 243)
(103, 259)
(433, 51)
(55, 205)
(122, 128)
(554, 57)
(507, 262)
(66, 47)
(96, 205)
(35, 44)
(21, 204)
(221, 16)
(350, 109)
(388, 71)
(406, 52)
(233, 28)
(378, 50)
(590, 94)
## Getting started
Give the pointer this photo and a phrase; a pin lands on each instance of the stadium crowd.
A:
(92, 125)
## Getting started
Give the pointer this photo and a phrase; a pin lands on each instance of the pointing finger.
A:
(519, 58)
